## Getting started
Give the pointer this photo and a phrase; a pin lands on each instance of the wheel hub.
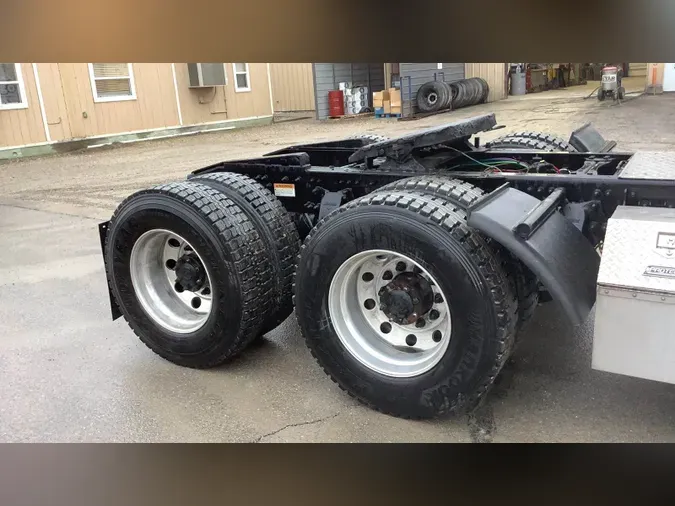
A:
(190, 272)
(406, 298)
(390, 313)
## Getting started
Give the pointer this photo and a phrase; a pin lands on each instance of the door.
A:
(669, 77)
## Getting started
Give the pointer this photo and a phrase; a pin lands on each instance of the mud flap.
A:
(545, 241)
(103, 232)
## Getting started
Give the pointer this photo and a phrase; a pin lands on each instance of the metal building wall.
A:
(494, 74)
(327, 77)
(292, 87)
(414, 75)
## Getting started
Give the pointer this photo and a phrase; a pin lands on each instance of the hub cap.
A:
(170, 281)
(390, 313)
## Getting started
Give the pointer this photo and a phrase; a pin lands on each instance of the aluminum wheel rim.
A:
(155, 282)
(360, 328)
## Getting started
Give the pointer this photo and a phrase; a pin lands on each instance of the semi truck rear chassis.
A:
(412, 263)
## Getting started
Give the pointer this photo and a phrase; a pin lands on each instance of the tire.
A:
(447, 95)
(481, 305)
(276, 229)
(534, 141)
(430, 96)
(622, 93)
(461, 195)
(230, 247)
(601, 95)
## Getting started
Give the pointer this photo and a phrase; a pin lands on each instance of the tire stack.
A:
(434, 96)
(234, 249)
(468, 92)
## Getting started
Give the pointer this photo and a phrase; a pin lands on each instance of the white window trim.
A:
(22, 91)
(94, 93)
(234, 78)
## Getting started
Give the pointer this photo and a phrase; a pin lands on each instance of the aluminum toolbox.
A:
(635, 307)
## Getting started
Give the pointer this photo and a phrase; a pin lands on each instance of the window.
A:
(242, 78)
(12, 91)
(111, 82)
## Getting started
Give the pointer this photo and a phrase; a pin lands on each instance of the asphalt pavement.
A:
(70, 374)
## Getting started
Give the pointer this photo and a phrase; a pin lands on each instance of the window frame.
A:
(234, 78)
(94, 92)
(22, 91)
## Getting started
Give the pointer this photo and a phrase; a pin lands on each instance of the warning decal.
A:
(284, 190)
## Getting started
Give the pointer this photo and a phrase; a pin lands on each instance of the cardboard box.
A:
(395, 97)
(387, 106)
(395, 109)
(379, 97)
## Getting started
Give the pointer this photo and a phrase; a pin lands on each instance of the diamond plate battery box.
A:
(635, 308)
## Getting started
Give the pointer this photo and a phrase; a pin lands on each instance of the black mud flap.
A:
(545, 241)
(114, 308)
(588, 140)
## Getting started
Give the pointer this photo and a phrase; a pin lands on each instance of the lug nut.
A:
(369, 304)
(179, 288)
(206, 291)
(436, 336)
(196, 302)
(387, 275)
(170, 264)
(433, 315)
(411, 340)
(385, 327)
(420, 323)
(401, 266)
(438, 298)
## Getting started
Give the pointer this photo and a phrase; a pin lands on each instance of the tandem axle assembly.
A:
(412, 263)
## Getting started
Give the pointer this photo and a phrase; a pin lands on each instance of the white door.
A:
(669, 77)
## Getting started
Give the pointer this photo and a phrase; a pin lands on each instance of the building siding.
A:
(637, 69)
(154, 107)
(23, 126)
(493, 73)
(54, 100)
(327, 77)
(71, 112)
(414, 75)
(292, 87)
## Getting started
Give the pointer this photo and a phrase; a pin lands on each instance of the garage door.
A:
(414, 75)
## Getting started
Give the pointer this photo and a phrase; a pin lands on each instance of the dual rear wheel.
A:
(403, 305)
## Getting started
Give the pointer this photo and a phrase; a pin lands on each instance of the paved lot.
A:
(69, 374)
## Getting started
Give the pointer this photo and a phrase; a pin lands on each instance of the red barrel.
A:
(336, 104)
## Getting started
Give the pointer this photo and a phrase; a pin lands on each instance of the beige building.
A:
(44, 104)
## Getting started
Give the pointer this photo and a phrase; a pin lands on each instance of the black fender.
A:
(549, 244)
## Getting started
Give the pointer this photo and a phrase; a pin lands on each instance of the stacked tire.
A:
(466, 92)
(202, 268)
(436, 96)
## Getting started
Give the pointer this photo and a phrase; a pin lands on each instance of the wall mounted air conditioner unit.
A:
(206, 75)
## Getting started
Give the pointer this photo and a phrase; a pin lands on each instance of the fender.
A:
(549, 244)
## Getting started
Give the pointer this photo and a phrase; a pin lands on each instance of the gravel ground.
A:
(69, 374)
